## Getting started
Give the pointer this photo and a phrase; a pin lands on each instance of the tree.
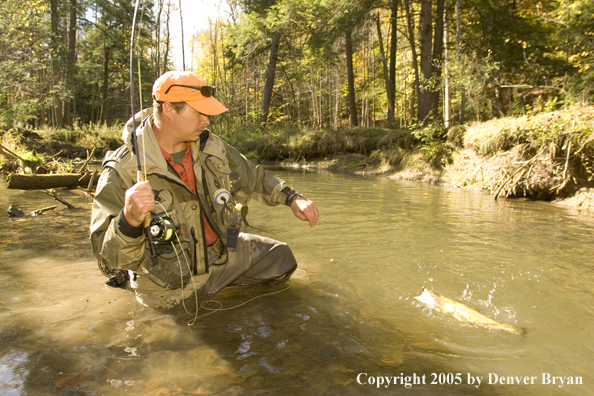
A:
(351, 77)
(393, 48)
(24, 55)
(431, 49)
(70, 107)
(411, 39)
(387, 77)
(264, 8)
(459, 58)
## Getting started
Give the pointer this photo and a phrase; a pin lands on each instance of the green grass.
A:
(553, 130)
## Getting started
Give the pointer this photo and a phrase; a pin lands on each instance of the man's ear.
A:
(168, 109)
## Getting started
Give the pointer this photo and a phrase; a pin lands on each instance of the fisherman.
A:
(196, 193)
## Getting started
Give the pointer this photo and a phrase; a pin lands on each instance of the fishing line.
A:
(181, 271)
(220, 307)
(203, 305)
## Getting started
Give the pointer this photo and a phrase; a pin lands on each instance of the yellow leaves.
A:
(41, 5)
(581, 60)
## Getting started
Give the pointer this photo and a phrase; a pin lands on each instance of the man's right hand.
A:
(139, 201)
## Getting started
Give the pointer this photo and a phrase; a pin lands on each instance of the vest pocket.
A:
(171, 268)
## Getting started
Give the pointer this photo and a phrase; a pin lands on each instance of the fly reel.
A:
(162, 229)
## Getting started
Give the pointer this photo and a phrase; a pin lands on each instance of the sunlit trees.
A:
(321, 63)
(25, 62)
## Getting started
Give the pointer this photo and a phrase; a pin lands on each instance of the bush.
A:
(272, 144)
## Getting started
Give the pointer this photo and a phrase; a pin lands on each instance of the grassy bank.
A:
(55, 150)
(543, 156)
(546, 156)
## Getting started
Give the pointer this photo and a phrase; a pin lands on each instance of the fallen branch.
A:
(59, 164)
(88, 193)
(55, 195)
(39, 212)
(9, 154)
(92, 181)
(89, 158)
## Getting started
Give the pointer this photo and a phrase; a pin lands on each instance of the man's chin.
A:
(196, 135)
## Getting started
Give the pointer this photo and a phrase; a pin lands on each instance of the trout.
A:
(462, 313)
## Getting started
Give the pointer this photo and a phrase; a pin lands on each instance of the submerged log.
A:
(42, 182)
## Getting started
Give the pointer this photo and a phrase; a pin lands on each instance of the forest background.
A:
(479, 92)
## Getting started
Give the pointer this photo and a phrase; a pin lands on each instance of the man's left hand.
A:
(306, 210)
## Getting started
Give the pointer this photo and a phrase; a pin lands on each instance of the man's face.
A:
(188, 123)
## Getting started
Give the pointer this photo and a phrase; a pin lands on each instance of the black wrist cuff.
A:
(125, 228)
(291, 194)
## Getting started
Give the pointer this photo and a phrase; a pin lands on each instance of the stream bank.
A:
(546, 156)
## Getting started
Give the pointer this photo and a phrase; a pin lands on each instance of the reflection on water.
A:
(351, 310)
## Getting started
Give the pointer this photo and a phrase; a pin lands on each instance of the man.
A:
(196, 186)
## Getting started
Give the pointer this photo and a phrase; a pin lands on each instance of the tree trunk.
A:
(181, 21)
(446, 72)
(437, 55)
(105, 88)
(411, 39)
(270, 75)
(351, 78)
(55, 51)
(158, 34)
(425, 98)
(393, 49)
(459, 59)
(70, 64)
(214, 34)
(386, 75)
(168, 38)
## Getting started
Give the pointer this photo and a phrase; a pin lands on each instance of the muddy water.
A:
(349, 311)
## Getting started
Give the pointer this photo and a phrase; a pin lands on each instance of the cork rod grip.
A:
(147, 219)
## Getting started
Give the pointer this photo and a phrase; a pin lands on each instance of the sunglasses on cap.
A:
(206, 90)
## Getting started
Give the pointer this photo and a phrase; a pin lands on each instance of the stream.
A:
(345, 324)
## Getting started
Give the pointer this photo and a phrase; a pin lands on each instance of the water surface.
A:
(349, 310)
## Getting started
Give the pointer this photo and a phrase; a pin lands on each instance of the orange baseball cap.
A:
(183, 86)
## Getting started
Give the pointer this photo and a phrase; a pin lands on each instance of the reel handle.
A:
(140, 178)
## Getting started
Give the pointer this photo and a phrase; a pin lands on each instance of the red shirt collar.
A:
(185, 172)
